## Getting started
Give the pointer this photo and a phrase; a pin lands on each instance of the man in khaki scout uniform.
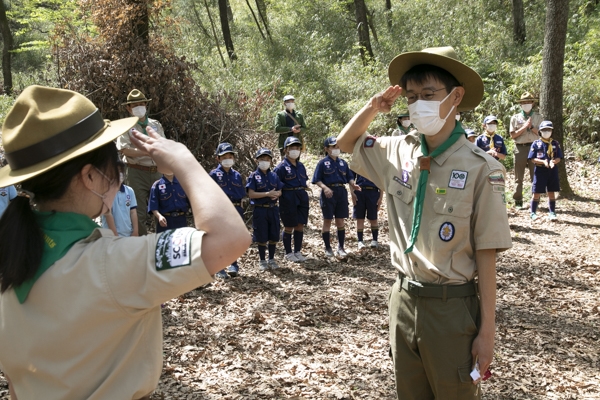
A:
(141, 169)
(524, 131)
(447, 217)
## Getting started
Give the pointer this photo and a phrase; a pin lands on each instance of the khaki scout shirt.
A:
(124, 142)
(464, 208)
(518, 120)
(91, 326)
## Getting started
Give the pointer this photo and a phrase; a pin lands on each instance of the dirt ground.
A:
(319, 330)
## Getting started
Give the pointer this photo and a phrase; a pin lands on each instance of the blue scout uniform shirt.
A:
(121, 210)
(6, 195)
(291, 175)
(484, 144)
(263, 182)
(230, 182)
(168, 197)
(330, 171)
(539, 150)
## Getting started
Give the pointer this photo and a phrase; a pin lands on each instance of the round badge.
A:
(369, 142)
(404, 176)
(446, 231)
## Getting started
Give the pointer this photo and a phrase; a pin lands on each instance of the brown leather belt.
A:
(152, 169)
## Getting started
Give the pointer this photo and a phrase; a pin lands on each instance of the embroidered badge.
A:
(162, 186)
(458, 179)
(440, 191)
(446, 231)
(407, 185)
(288, 169)
(219, 174)
(327, 163)
(498, 188)
(405, 176)
(127, 203)
(3, 194)
(540, 154)
(370, 141)
(258, 178)
(341, 163)
(408, 165)
(174, 248)
(503, 198)
(496, 178)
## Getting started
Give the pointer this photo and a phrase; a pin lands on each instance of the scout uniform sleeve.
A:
(153, 199)
(514, 123)
(532, 151)
(371, 155)
(250, 183)
(317, 175)
(12, 192)
(351, 176)
(133, 201)
(503, 146)
(278, 182)
(557, 150)
(124, 141)
(143, 272)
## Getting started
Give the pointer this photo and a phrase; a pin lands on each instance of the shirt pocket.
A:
(402, 191)
(450, 226)
(164, 196)
(289, 176)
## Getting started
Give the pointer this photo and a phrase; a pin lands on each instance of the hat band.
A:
(57, 144)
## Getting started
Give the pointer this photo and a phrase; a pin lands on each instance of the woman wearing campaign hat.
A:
(447, 221)
(81, 307)
(404, 124)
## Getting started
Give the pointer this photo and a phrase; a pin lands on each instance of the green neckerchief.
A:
(144, 125)
(424, 166)
(61, 231)
(527, 115)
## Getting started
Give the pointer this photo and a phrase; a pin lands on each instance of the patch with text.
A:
(174, 248)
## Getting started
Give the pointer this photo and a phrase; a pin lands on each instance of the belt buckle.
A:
(414, 286)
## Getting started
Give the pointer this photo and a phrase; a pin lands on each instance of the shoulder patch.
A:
(174, 248)
(496, 178)
(370, 141)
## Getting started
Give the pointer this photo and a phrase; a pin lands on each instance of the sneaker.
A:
(552, 216)
(534, 216)
(299, 256)
(222, 275)
(291, 257)
(361, 245)
(233, 270)
(328, 253)
(273, 264)
(374, 244)
(341, 253)
(263, 265)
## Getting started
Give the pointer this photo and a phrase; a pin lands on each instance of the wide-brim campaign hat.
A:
(445, 58)
(527, 97)
(47, 127)
(136, 96)
(403, 113)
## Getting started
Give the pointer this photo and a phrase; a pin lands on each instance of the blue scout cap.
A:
(330, 141)
(290, 140)
(489, 119)
(263, 151)
(546, 125)
(224, 148)
(470, 132)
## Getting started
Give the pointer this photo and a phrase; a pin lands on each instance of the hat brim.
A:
(226, 152)
(467, 77)
(136, 101)
(527, 100)
(111, 131)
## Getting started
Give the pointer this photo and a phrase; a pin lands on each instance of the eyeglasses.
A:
(426, 94)
(112, 181)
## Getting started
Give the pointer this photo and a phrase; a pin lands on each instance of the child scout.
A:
(447, 220)
(293, 203)
(331, 175)
(490, 142)
(545, 154)
(168, 203)
(122, 219)
(264, 188)
(231, 182)
(366, 203)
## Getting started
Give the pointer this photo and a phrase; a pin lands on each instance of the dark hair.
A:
(422, 72)
(21, 238)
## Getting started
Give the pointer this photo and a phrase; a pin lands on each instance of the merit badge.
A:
(405, 176)
(402, 183)
(458, 179)
(370, 141)
(173, 248)
(496, 178)
(446, 231)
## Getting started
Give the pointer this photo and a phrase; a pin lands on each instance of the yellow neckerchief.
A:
(490, 139)
(550, 149)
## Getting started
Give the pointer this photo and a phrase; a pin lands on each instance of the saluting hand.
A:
(384, 101)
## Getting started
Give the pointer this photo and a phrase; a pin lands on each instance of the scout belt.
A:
(419, 289)
(295, 188)
(174, 214)
(143, 167)
(368, 187)
(335, 184)
(266, 205)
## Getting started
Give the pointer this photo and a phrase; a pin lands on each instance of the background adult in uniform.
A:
(447, 220)
(141, 171)
(524, 131)
(404, 124)
(289, 122)
(83, 304)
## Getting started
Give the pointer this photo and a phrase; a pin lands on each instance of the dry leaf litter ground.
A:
(318, 330)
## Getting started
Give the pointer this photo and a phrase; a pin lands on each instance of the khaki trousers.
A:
(431, 345)
(521, 164)
(141, 182)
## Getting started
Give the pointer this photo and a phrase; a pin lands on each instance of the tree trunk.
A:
(214, 31)
(141, 26)
(388, 13)
(551, 93)
(255, 20)
(519, 33)
(371, 19)
(364, 41)
(7, 40)
(226, 31)
(262, 13)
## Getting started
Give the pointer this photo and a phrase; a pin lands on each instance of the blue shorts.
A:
(172, 223)
(366, 204)
(293, 207)
(265, 224)
(545, 179)
(337, 205)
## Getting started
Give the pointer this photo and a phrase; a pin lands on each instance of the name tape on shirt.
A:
(406, 185)
(496, 178)
(174, 248)
(458, 179)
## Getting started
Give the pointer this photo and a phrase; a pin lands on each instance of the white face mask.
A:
(546, 134)
(526, 107)
(106, 208)
(335, 152)
(406, 123)
(264, 165)
(228, 162)
(290, 106)
(491, 128)
(293, 154)
(139, 111)
(426, 115)
(457, 117)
